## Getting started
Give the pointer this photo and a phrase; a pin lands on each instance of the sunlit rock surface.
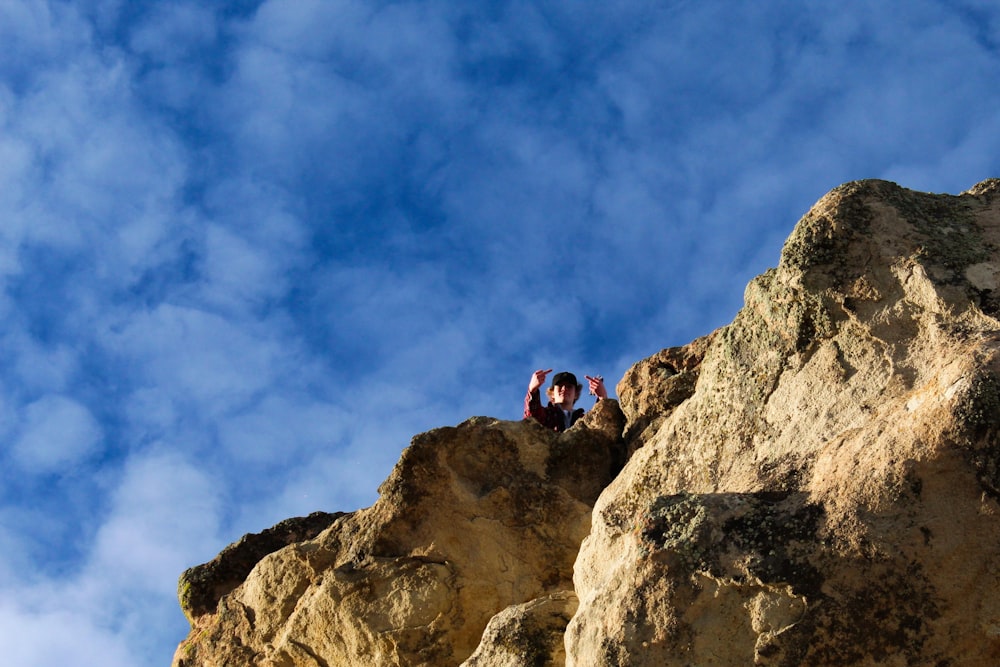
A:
(816, 483)
(827, 493)
(474, 519)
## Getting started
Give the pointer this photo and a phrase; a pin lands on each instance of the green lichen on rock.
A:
(530, 643)
(776, 322)
(678, 524)
(735, 536)
(821, 236)
(979, 408)
(978, 418)
(773, 532)
(947, 224)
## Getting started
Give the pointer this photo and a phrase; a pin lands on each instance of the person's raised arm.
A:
(537, 379)
(533, 399)
(597, 386)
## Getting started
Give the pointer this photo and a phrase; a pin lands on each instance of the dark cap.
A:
(564, 378)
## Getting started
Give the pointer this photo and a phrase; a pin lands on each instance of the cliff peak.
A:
(816, 482)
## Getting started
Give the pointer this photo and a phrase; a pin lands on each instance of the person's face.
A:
(564, 394)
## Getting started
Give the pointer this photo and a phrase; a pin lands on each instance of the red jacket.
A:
(551, 416)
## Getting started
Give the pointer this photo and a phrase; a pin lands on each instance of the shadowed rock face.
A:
(816, 483)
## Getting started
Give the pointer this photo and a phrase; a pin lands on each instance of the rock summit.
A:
(816, 483)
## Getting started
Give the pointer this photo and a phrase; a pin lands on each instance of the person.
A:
(561, 412)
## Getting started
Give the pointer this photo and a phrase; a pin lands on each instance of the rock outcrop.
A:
(816, 483)
(474, 519)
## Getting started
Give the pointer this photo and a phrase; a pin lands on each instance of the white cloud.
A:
(970, 161)
(119, 608)
(164, 511)
(56, 433)
(36, 33)
(238, 273)
(203, 361)
(284, 430)
(34, 366)
(174, 31)
(50, 637)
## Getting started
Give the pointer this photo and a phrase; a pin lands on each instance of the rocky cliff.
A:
(816, 483)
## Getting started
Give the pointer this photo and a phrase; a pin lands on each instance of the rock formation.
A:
(473, 519)
(816, 483)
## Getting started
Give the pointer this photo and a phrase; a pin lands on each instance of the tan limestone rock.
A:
(201, 587)
(827, 493)
(473, 520)
(527, 634)
(653, 387)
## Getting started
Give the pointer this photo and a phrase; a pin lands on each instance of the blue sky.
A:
(248, 249)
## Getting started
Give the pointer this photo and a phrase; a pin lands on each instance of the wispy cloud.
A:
(56, 433)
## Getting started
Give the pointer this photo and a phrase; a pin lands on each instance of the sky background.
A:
(248, 249)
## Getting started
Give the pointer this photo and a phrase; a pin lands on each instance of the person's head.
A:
(565, 390)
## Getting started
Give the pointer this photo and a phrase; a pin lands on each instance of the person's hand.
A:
(597, 386)
(537, 379)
